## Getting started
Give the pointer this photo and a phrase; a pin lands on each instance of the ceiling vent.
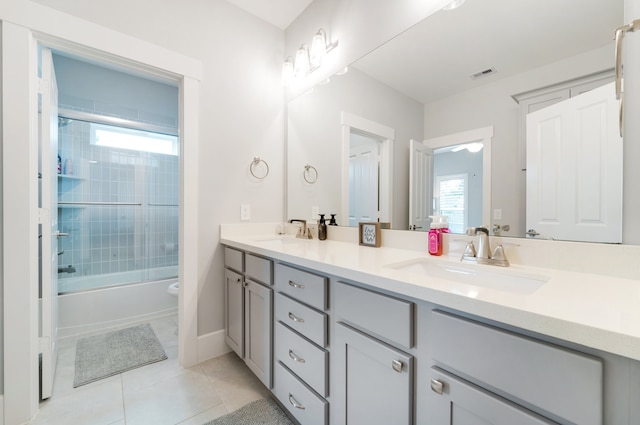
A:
(483, 73)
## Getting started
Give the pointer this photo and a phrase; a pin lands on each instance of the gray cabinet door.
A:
(375, 381)
(258, 310)
(453, 401)
(234, 302)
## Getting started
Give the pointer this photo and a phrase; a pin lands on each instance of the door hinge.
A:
(43, 215)
(44, 344)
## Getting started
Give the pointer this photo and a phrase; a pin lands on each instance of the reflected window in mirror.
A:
(458, 185)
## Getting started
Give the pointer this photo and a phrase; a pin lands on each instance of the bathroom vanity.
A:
(392, 336)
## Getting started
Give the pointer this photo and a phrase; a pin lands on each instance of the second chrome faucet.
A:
(303, 231)
(483, 254)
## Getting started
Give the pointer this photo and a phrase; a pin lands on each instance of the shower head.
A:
(62, 122)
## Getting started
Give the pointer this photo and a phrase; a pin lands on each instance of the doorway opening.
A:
(367, 170)
(113, 200)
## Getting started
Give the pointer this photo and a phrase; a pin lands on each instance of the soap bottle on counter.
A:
(435, 237)
(444, 224)
(322, 228)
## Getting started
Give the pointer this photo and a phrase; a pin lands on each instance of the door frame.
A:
(348, 122)
(24, 26)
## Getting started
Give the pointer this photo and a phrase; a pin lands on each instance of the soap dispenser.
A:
(322, 228)
(435, 236)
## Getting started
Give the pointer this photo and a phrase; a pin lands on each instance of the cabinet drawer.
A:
(304, 405)
(305, 359)
(545, 378)
(454, 401)
(309, 322)
(304, 286)
(258, 268)
(233, 259)
(390, 318)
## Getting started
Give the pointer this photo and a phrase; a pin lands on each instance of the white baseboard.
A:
(211, 345)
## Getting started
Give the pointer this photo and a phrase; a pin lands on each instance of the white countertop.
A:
(593, 310)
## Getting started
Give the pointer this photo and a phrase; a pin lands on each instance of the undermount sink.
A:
(280, 240)
(476, 275)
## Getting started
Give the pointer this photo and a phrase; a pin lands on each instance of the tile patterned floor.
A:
(162, 393)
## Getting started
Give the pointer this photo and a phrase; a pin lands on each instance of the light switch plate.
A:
(315, 212)
(245, 212)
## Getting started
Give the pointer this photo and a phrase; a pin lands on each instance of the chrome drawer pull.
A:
(295, 357)
(296, 285)
(295, 403)
(295, 318)
(437, 386)
(397, 365)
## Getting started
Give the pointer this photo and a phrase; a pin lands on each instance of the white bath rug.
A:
(101, 356)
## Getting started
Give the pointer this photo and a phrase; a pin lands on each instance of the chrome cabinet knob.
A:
(397, 365)
(437, 386)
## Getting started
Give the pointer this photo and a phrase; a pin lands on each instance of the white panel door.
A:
(574, 169)
(364, 163)
(49, 222)
(420, 186)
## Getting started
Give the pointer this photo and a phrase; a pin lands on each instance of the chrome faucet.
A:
(303, 231)
(483, 254)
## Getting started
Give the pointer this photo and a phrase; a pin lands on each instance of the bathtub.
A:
(100, 307)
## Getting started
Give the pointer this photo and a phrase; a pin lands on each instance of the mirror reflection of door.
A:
(364, 177)
(420, 186)
(574, 169)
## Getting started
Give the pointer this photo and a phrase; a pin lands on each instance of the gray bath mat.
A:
(260, 412)
(101, 356)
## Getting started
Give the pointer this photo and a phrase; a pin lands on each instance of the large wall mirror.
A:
(470, 76)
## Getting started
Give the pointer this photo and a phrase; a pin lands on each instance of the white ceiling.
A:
(277, 12)
(434, 59)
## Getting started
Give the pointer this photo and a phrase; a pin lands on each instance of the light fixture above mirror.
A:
(307, 60)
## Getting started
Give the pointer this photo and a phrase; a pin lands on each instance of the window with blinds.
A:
(451, 200)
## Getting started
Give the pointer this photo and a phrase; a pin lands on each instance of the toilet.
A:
(173, 288)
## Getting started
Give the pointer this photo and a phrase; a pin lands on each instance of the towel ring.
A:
(305, 173)
(256, 161)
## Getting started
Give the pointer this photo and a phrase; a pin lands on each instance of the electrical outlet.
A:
(315, 212)
(497, 214)
(245, 212)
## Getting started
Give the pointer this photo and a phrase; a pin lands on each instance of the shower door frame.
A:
(23, 27)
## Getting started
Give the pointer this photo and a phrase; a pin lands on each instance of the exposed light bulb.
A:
(473, 147)
(318, 48)
(287, 71)
(302, 66)
(453, 5)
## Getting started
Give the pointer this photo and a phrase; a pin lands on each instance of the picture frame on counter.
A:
(369, 234)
